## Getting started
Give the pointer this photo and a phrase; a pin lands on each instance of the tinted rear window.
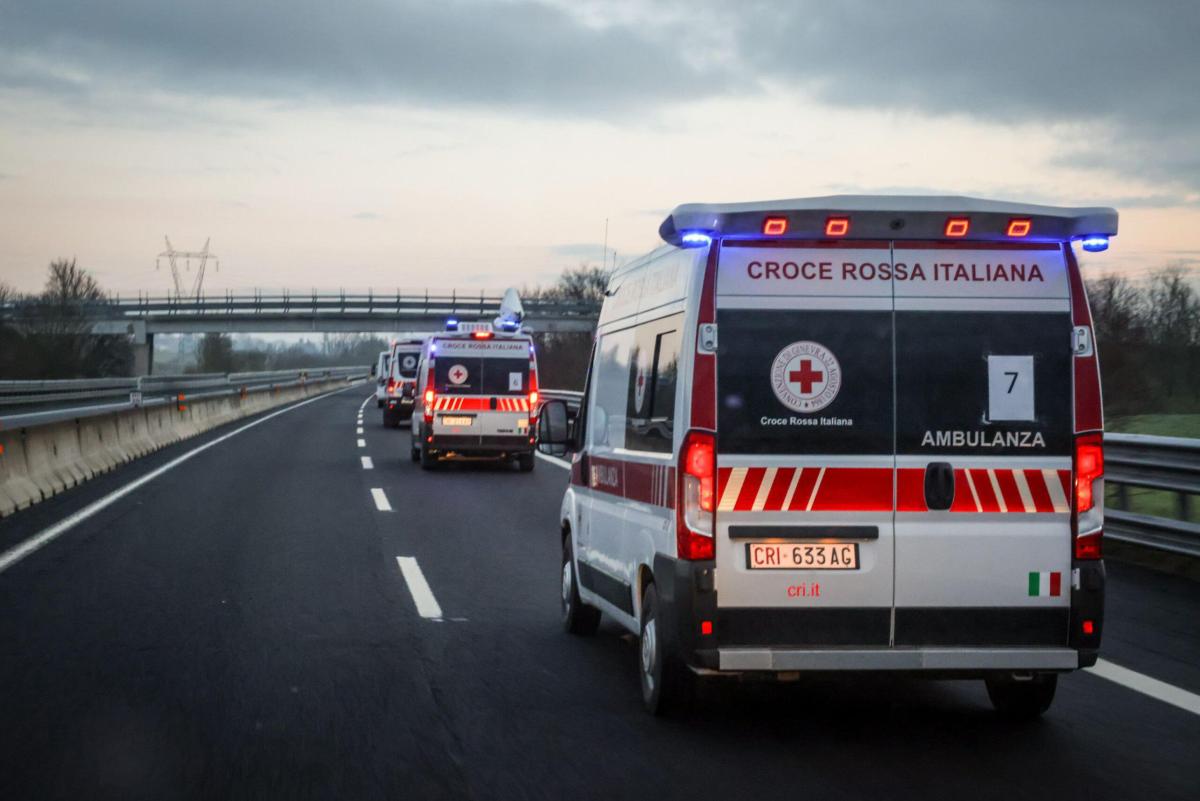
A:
(751, 417)
(472, 375)
(406, 363)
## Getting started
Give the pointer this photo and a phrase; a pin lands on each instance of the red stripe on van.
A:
(859, 489)
(745, 499)
(804, 488)
(779, 488)
(910, 490)
(983, 488)
(1037, 488)
(1008, 486)
(704, 370)
(964, 499)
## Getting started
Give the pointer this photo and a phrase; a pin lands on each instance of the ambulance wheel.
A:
(525, 462)
(378, 403)
(578, 617)
(428, 460)
(667, 684)
(1022, 698)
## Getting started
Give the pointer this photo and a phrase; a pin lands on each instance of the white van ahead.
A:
(381, 375)
(477, 397)
(844, 434)
(401, 386)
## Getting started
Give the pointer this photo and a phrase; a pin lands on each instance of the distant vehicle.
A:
(401, 385)
(380, 372)
(477, 396)
(844, 434)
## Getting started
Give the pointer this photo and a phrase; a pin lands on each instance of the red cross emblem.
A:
(806, 376)
(458, 374)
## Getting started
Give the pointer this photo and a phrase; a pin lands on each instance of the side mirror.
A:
(372, 371)
(553, 434)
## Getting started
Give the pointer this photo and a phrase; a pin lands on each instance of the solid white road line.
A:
(367, 463)
(362, 443)
(427, 605)
(19, 552)
(366, 400)
(1159, 690)
(554, 460)
(381, 501)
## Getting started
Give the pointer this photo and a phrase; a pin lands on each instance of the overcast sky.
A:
(477, 145)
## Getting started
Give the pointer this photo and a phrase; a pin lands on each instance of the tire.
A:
(578, 618)
(1022, 699)
(428, 460)
(667, 684)
(416, 453)
(525, 462)
(378, 403)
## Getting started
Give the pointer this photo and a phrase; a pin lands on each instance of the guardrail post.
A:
(1185, 506)
(1122, 496)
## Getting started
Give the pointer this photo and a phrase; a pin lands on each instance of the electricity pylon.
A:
(173, 256)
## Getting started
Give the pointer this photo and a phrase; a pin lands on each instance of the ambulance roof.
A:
(890, 217)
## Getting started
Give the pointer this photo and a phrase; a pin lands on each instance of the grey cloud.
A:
(517, 54)
(1125, 70)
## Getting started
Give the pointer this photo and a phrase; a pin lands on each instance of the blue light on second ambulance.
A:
(1095, 244)
(695, 239)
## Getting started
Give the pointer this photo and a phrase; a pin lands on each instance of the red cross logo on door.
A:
(458, 374)
(806, 377)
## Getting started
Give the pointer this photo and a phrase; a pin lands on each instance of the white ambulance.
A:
(401, 389)
(844, 434)
(380, 372)
(477, 396)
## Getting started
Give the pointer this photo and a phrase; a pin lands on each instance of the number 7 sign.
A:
(1010, 388)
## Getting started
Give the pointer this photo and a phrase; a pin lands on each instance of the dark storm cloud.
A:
(518, 54)
(1132, 65)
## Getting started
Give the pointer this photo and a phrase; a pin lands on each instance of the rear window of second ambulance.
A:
(473, 375)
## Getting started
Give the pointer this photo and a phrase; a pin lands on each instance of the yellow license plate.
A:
(448, 420)
(802, 555)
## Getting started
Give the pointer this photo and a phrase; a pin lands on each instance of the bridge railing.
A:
(1169, 464)
(31, 403)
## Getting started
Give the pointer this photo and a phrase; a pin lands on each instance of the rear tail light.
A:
(1018, 226)
(391, 386)
(957, 226)
(1088, 502)
(775, 226)
(837, 226)
(696, 496)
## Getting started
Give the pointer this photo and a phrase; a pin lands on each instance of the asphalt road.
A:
(240, 627)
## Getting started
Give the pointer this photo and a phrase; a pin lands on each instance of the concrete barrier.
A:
(41, 461)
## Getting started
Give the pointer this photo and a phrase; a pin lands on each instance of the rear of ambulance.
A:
(902, 418)
(481, 395)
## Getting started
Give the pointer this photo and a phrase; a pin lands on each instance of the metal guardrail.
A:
(31, 403)
(1170, 464)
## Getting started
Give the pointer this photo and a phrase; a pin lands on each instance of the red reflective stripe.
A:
(804, 488)
(779, 488)
(723, 474)
(1008, 485)
(1064, 477)
(745, 499)
(987, 495)
(964, 500)
(910, 490)
(1037, 488)
(859, 489)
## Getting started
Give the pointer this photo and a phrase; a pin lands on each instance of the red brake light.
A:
(957, 226)
(1018, 227)
(1089, 627)
(533, 396)
(481, 334)
(706, 627)
(696, 496)
(837, 226)
(1089, 466)
(775, 226)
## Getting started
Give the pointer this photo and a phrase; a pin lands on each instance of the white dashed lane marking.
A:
(422, 595)
(362, 443)
(358, 430)
(367, 463)
(381, 501)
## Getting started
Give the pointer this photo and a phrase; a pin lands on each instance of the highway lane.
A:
(240, 628)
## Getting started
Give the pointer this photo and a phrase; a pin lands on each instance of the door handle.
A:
(939, 486)
(492, 404)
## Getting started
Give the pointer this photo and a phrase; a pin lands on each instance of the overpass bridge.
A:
(260, 312)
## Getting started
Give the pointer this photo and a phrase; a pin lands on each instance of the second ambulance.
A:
(844, 434)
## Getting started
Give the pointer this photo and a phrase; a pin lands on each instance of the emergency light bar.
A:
(889, 217)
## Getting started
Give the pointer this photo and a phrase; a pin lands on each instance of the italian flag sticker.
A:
(1043, 585)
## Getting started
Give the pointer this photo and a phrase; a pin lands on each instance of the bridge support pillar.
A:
(143, 355)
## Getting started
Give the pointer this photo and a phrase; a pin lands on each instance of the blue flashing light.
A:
(1095, 243)
(695, 239)
(451, 324)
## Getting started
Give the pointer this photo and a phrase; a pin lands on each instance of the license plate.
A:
(448, 420)
(802, 555)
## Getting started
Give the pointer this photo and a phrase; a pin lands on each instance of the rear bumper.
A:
(481, 445)
(897, 659)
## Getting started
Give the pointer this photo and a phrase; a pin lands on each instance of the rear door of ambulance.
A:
(805, 448)
(984, 437)
(482, 388)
